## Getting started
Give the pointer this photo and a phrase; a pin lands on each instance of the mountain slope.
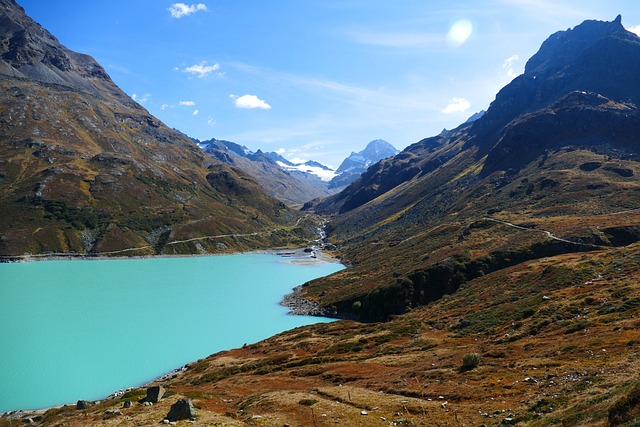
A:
(86, 169)
(279, 177)
(551, 167)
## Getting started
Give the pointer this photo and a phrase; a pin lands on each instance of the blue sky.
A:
(315, 79)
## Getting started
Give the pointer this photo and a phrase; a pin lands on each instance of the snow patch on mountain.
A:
(323, 172)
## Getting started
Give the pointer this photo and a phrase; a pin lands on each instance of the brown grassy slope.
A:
(558, 340)
(79, 175)
(450, 216)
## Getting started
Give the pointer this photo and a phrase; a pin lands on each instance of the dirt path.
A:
(548, 233)
(137, 248)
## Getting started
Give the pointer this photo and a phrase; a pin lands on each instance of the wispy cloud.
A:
(394, 39)
(635, 29)
(249, 102)
(202, 70)
(507, 65)
(195, 112)
(178, 10)
(141, 99)
(457, 105)
(550, 10)
(187, 103)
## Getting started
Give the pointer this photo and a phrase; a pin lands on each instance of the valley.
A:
(492, 272)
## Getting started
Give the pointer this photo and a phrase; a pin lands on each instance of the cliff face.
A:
(84, 168)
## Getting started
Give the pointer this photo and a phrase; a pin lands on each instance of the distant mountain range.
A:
(357, 163)
(297, 183)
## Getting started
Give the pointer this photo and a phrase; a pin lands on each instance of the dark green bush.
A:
(470, 361)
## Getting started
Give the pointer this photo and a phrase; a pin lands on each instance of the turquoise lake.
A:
(82, 329)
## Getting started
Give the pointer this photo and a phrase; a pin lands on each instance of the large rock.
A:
(154, 394)
(83, 404)
(181, 410)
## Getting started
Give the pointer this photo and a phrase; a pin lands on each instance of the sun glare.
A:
(459, 32)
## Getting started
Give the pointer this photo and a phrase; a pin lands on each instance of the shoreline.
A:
(293, 253)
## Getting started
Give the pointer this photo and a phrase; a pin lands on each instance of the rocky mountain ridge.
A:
(297, 183)
(357, 163)
(281, 180)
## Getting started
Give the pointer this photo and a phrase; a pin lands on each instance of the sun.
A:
(459, 32)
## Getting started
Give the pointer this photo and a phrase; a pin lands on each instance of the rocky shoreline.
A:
(300, 306)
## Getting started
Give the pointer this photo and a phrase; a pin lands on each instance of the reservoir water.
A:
(82, 329)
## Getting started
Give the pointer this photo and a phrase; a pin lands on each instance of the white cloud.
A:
(635, 30)
(202, 69)
(141, 99)
(195, 112)
(281, 151)
(211, 121)
(508, 65)
(178, 10)
(249, 101)
(164, 107)
(457, 105)
(298, 160)
(187, 103)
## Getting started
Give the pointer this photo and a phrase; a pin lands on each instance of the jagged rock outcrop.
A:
(84, 404)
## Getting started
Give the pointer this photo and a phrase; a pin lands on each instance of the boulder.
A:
(83, 404)
(127, 404)
(181, 410)
(154, 394)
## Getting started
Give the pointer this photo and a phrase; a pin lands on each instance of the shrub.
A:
(470, 361)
